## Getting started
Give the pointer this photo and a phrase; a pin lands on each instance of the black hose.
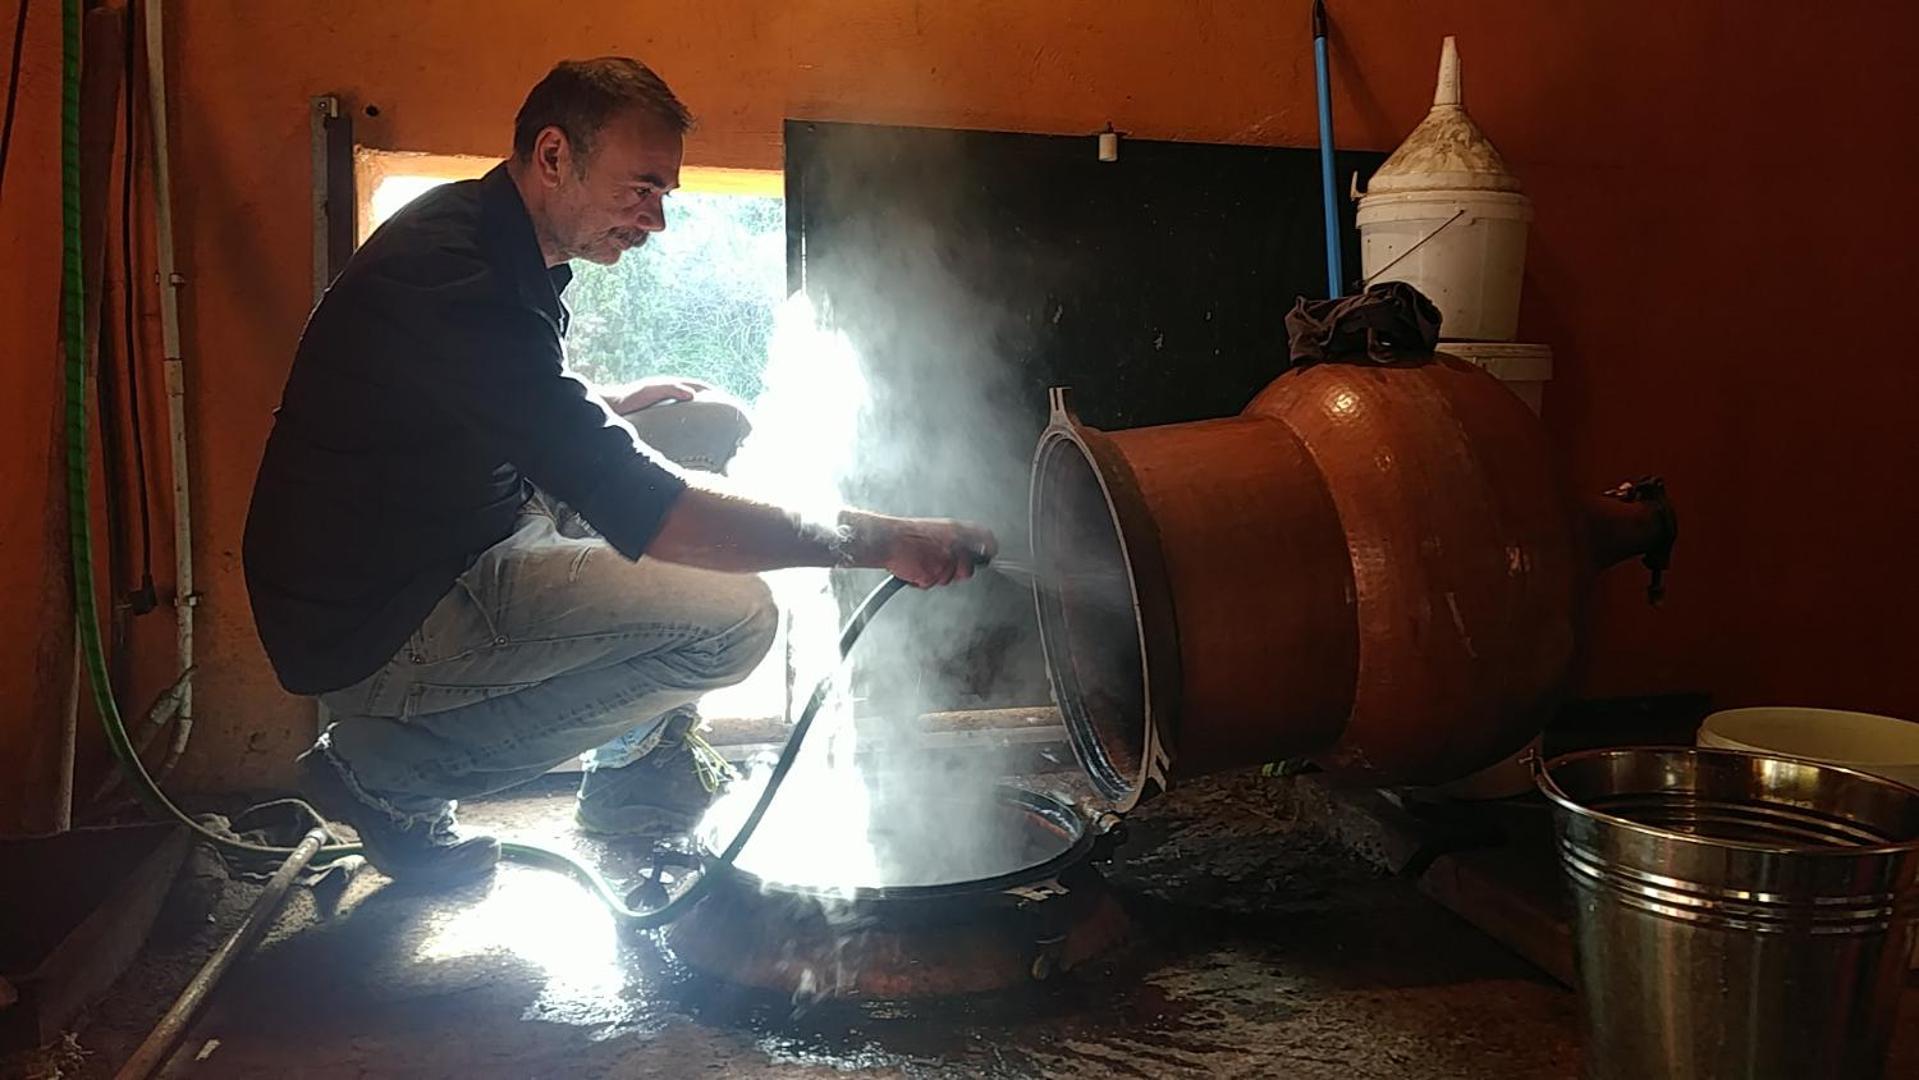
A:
(173, 1026)
(143, 598)
(534, 854)
(13, 88)
(653, 918)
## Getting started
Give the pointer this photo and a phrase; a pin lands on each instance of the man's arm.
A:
(716, 530)
(647, 393)
(498, 367)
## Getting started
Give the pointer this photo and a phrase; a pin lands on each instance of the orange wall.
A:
(1724, 228)
(32, 564)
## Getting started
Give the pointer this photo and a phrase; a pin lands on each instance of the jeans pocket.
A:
(457, 627)
(427, 698)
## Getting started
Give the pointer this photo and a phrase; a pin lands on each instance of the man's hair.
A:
(580, 96)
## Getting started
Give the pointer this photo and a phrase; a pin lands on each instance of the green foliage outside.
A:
(696, 300)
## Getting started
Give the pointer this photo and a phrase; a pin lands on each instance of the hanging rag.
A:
(1390, 321)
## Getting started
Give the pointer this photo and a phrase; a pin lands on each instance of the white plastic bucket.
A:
(1525, 369)
(1881, 745)
(1466, 250)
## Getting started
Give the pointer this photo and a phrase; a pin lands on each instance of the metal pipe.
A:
(1335, 277)
(184, 597)
(69, 743)
(168, 1032)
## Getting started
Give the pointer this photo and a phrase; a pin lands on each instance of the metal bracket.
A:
(1039, 890)
(650, 892)
(334, 206)
(1059, 403)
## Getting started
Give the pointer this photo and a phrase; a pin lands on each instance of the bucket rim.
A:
(1889, 759)
(1543, 778)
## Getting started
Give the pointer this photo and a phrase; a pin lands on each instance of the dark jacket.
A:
(427, 392)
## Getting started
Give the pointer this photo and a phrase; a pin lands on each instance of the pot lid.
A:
(1447, 151)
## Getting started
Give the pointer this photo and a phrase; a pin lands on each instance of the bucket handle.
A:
(1457, 214)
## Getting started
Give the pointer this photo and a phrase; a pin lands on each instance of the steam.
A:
(804, 441)
(915, 420)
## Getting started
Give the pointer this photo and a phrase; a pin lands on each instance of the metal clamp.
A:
(651, 892)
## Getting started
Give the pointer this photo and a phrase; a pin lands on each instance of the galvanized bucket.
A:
(1736, 915)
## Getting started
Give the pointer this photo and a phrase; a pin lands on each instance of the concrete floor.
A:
(1261, 949)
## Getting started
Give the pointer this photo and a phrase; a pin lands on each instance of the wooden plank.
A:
(1496, 890)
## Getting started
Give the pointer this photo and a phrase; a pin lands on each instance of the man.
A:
(477, 564)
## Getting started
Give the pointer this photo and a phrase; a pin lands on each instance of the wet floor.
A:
(1260, 949)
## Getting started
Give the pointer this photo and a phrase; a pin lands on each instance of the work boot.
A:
(664, 793)
(428, 853)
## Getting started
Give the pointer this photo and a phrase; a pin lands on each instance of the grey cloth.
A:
(1390, 321)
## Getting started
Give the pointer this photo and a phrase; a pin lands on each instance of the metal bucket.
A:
(1736, 915)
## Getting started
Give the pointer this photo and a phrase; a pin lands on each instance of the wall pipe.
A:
(184, 598)
(1335, 277)
(69, 744)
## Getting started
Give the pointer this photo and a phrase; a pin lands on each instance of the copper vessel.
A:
(1373, 565)
(1047, 912)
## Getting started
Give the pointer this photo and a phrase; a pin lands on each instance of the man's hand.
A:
(928, 552)
(714, 529)
(646, 393)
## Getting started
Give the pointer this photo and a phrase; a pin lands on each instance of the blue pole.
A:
(1335, 279)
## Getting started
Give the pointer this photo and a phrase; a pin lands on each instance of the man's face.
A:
(601, 207)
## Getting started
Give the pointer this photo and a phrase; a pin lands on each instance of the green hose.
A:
(87, 616)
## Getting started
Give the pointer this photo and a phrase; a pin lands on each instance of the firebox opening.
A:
(1088, 621)
(923, 839)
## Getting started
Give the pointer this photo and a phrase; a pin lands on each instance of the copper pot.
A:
(1373, 566)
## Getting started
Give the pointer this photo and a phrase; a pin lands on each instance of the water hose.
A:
(166, 1035)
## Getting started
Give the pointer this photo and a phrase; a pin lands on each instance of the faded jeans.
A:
(552, 644)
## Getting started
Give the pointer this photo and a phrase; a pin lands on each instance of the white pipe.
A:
(69, 741)
(184, 597)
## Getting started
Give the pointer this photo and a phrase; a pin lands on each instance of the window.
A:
(699, 301)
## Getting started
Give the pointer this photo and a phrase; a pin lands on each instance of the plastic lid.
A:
(1447, 151)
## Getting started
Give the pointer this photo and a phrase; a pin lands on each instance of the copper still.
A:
(1373, 566)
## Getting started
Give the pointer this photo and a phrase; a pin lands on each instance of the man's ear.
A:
(550, 154)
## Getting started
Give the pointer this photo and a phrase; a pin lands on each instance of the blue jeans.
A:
(552, 644)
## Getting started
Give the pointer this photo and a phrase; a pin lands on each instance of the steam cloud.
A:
(896, 397)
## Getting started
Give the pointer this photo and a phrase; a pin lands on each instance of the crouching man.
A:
(477, 562)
